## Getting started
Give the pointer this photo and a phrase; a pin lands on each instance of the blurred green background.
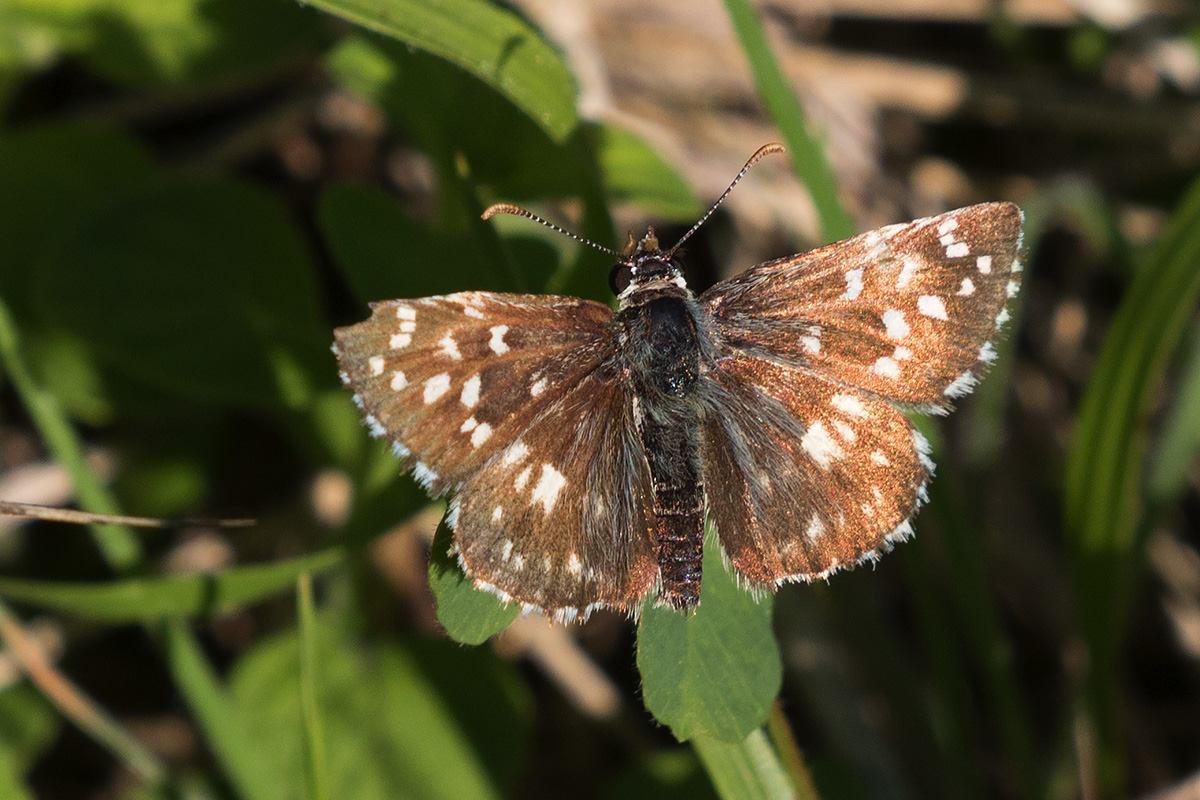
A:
(194, 193)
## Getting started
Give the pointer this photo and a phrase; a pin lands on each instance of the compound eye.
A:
(619, 278)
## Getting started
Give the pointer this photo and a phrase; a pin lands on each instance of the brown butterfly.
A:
(584, 448)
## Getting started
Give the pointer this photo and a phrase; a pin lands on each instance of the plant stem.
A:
(789, 752)
(75, 705)
(314, 737)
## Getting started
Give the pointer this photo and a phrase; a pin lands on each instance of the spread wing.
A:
(514, 402)
(804, 477)
(907, 312)
(810, 466)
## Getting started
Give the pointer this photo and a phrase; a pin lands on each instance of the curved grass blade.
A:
(492, 43)
(147, 599)
(310, 707)
(1104, 472)
(806, 151)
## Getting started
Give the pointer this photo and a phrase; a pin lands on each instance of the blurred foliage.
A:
(166, 300)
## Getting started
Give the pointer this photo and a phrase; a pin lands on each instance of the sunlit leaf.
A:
(490, 42)
(715, 672)
(202, 288)
(634, 173)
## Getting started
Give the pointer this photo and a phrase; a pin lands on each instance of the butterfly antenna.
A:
(517, 211)
(759, 155)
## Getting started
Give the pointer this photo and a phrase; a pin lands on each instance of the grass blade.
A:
(314, 736)
(807, 154)
(148, 599)
(1106, 458)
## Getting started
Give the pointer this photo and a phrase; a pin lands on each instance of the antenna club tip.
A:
(767, 149)
(499, 208)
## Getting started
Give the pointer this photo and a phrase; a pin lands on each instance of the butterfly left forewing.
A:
(908, 312)
(451, 380)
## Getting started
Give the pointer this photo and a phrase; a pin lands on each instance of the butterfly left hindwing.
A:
(516, 404)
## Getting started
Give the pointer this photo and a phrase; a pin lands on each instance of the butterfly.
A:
(585, 448)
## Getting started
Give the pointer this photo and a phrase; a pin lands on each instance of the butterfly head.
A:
(643, 263)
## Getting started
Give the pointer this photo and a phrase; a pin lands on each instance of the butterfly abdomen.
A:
(663, 355)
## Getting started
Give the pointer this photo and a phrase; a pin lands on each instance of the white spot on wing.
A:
(399, 381)
(506, 551)
(967, 289)
(845, 431)
(538, 387)
(376, 364)
(984, 263)
(819, 445)
(408, 327)
(400, 340)
(515, 453)
(949, 224)
(522, 479)
(887, 367)
(481, 435)
(497, 343)
(849, 404)
(548, 487)
(405, 312)
(854, 284)
(932, 306)
(1012, 288)
(435, 387)
(907, 271)
(471, 311)
(470, 392)
(894, 322)
(574, 565)
(958, 250)
(469, 424)
(815, 528)
(450, 347)
(987, 353)
(879, 458)
(811, 344)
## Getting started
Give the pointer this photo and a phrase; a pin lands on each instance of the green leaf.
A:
(145, 599)
(202, 288)
(746, 770)
(53, 178)
(634, 173)
(423, 720)
(315, 773)
(490, 42)
(168, 42)
(714, 672)
(469, 615)
(808, 154)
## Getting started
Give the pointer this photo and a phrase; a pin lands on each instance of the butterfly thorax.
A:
(660, 345)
